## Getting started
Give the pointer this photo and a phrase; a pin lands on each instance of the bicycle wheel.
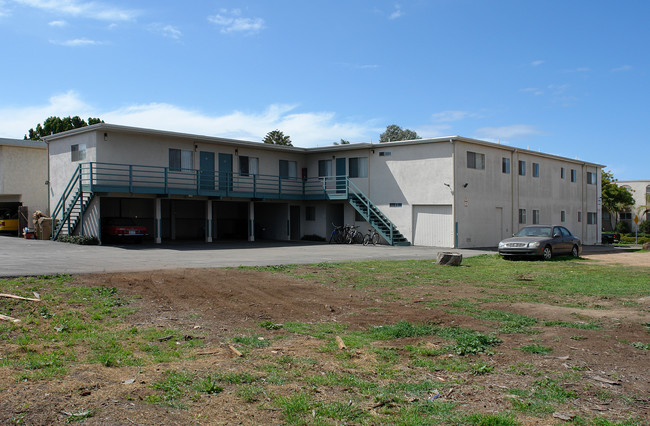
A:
(358, 238)
(366, 239)
(375, 239)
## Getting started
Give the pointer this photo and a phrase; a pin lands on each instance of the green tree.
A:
(396, 133)
(343, 142)
(54, 125)
(615, 198)
(278, 138)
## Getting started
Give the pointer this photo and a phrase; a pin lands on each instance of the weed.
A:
(208, 385)
(640, 345)
(489, 420)
(536, 349)
(579, 325)
(250, 393)
(252, 341)
(270, 325)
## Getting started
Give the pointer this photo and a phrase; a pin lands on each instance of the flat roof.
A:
(23, 143)
(345, 147)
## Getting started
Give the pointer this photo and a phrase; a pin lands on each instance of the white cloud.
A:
(15, 121)
(580, 69)
(57, 24)
(396, 13)
(622, 68)
(451, 115)
(505, 133)
(166, 30)
(91, 9)
(77, 42)
(305, 128)
(232, 22)
(534, 90)
(4, 11)
(537, 63)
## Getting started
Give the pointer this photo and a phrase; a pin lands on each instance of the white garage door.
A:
(433, 226)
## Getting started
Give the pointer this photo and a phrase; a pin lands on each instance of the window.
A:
(248, 165)
(475, 160)
(384, 154)
(562, 216)
(522, 168)
(591, 218)
(180, 160)
(288, 169)
(359, 167)
(324, 168)
(562, 172)
(625, 215)
(522, 216)
(536, 170)
(395, 205)
(310, 213)
(505, 165)
(78, 152)
(574, 175)
(591, 178)
(535, 217)
(579, 217)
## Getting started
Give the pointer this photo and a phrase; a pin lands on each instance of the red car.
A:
(123, 229)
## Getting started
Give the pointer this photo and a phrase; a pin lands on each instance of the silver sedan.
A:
(545, 241)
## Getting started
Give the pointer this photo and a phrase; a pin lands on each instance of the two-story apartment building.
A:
(640, 190)
(446, 192)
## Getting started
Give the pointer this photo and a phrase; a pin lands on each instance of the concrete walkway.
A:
(20, 257)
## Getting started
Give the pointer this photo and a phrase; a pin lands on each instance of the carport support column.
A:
(158, 227)
(208, 221)
(251, 221)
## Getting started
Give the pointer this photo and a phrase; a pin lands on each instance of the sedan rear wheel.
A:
(547, 253)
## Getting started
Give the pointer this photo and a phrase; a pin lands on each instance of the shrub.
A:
(623, 227)
(632, 239)
(83, 240)
(645, 227)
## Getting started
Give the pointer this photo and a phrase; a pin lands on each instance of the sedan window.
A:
(565, 232)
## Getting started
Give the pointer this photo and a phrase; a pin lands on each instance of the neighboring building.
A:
(446, 192)
(23, 176)
(640, 190)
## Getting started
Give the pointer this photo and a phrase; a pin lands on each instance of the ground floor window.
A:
(591, 218)
(522, 216)
(579, 216)
(535, 217)
(562, 216)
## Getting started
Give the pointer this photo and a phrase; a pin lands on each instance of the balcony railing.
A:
(138, 179)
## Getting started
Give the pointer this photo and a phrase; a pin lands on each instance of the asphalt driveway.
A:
(19, 257)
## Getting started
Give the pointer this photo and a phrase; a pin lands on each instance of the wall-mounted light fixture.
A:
(465, 185)
(372, 151)
(236, 151)
(105, 136)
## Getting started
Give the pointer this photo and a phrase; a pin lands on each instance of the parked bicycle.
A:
(353, 235)
(338, 234)
(371, 237)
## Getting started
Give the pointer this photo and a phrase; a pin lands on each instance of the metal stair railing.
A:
(72, 201)
(384, 226)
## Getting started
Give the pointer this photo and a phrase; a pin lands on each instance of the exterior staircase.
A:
(68, 213)
(375, 217)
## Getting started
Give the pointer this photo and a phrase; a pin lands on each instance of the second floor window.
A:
(475, 160)
(359, 167)
(535, 169)
(574, 175)
(522, 168)
(180, 160)
(248, 165)
(288, 169)
(505, 165)
(324, 168)
(591, 178)
(78, 152)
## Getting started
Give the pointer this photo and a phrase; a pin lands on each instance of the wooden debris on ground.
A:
(340, 343)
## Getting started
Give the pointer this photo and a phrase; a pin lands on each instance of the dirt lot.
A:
(610, 376)
(629, 259)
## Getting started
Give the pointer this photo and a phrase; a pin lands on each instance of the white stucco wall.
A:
(23, 176)
(641, 194)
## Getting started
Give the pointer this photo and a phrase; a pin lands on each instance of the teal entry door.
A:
(340, 175)
(206, 174)
(225, 172)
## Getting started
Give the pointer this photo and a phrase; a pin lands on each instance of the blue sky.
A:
(565, 77)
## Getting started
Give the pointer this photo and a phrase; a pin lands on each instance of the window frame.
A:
(505, 165)
(522, 168)
(185, 158)
(475, 160)
(248, 161)
(522, 216)
(535, 217)
(535, 170)
(289, 169)
(359, 170)
(78, 152)
(574, 175)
